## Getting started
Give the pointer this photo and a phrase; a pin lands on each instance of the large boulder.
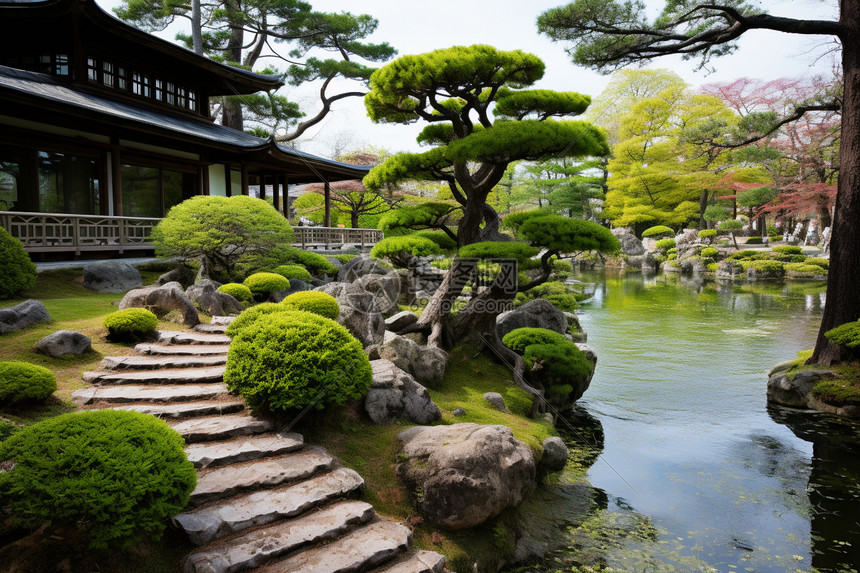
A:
(111, 276)
(181, 274)
(385, 289)
(467, 473)
(205, 295)
(395, 394)
(161, 300)
(359, 312)
(401, 320)
(630, 244)
(358, 267)
(425, 363)
(555, 454)
(538, 313)
(22, 315)
(64, 342)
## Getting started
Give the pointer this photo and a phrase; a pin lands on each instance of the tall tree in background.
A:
(608, 34)
(245, 33)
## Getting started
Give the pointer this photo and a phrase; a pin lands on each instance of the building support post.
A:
(327, 221)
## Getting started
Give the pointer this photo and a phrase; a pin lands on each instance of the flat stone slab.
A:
(220, 427)
(256, 474)
(187, 409)
(182, 349)
(256, 548)
(156, 362)
(191, 337)
(224, 517)
(211, 328)
(223, 319)
(243, 449)
(177, 376)
(420, 562)
(132, 393)
(363, 548)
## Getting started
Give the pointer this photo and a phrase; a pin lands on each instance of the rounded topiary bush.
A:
(665, 244)
(249, 315)
(293, 272)
(788, 250)
(24, 382)
(520, 338)
(262, 284)
(658, 231)
(17, 271)
(320, 303)
(818, 261)
(710, 252)
(707, 233)
(131, 324)
(238, 291)
(804, 270)
(118, 475)
(847, 334)
(556, 292)
(290, 360)
(400, 250)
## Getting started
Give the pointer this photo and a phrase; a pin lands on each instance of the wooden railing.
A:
(59, 232)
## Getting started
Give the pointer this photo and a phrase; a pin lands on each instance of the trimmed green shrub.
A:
(295, 359)
(658, 231)
(442, 264)
(441, 238)
(249, 315)
(313, 262)
(754, 241)
(823, 263)
(520, 338)
(558, 293)
(320, 303)
(119, 475)
(7, 429)
(746, 254)
(400, 250)
(130, 324)
(664, 244)
(672, 257)
(788, 250)
(804, 270)
(709, 252)
(671, 251)
(558, 363)
(238, 291)
(707, 233)
(25, 382)
(836, 392)
(17, 271)
(343, 259)
(266, 283)
(660, 259)
(293, 272)
(763, 266)
(712, 267)
(847, 334)
(514, 221)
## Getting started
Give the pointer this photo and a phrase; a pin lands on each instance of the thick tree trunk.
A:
(703, 204)
(196, 27)
(843, 304)
(434, 318)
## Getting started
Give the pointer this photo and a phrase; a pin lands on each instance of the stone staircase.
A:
(264, 501)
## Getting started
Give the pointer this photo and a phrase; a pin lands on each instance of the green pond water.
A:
(695, 472)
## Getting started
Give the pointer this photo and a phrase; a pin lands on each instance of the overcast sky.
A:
(414, 26)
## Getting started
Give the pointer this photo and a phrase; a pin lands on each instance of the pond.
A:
(695, 471)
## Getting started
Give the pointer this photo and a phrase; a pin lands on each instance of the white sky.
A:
(413, 26)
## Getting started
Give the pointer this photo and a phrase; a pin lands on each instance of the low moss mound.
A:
(22, 382)
(707, 233)
(131, 324)
(839, 392)
(658, 231)
(293, 272)
(788, 250)
(804, 270)
(665, 244)
(559, 294)
(17, 271)
(320, 303)
(261, 284)
(238, 291)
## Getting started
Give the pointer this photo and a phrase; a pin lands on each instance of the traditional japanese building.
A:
(104, 127)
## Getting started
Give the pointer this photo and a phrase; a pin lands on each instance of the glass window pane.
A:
(68, 184)
(140, 191)
(172, 189)
(10, 179)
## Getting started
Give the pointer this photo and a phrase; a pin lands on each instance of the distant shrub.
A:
(763, 266)
(710, 252)
(262, 284)
(660, 259)
(400, 250)
(707, 233)
(672, 257)
(673, 250)
(788, 250)
(839, 392)
(518, 339)
(130, 324)
(847, 334)
(747, 254)
(17, 271)
(238, 291)
(441, 238)
(557, 293)
(293, 272)
(24, 382)
(823, 263)
(250, 315)
(313, 262)
(658, 231)
(754, 241)
(343, 259)
(665, 244)
(712, 267)
(295, 359)
(118, 475)
(562, 267)
(316, 302)
(442, 264)
(804, 270)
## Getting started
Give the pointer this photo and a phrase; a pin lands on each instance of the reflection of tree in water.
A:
(834, 485)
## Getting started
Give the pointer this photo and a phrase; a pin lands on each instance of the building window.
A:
(170, 93)
(121, 81)
(68, 184)
(192, 100)
(61, 65)
(181, 97)
(108, 74)
(152, 191)
(159, 90)
(92, 70)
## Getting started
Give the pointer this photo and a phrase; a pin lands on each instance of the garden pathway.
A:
(264, 501)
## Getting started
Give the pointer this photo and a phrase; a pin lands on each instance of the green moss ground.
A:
(842, 391)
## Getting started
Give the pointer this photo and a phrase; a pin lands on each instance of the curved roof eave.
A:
(345, 170)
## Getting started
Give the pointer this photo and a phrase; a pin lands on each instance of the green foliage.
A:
(314, 262)
(745, 254)
(565, 235)
(731, 225)
(788, 250)
(665, 244)
(521, 338)
(754, 241)
(295, 359)
(17, 271)
(757, 196)
(400, 249)
(238, 291)
(343, 259)
(424, 216)
(837, 392)
(489, 250)
(119, 475)
(24, 382)
(712, 267)
(250, 315)
(707, 233)
(130, 324)
(441, 238)
(710, 252)
(559, 294)
(311, 206)
(293, 272)
(558, 363)
(804, 270)
(716, 213)
(514, 221)
(672, 251)
(658, 231)
(818, 261)
(764, 266)
(671, 256)
(320, 303)
(266, 283)
(221, 229)
(847, 334)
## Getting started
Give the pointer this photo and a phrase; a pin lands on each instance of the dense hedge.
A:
(399, 250)
(316, 302)
(710, 252)
(658, 231)
(17, 271)
(294, 272)
(788, 250)
(313, 262)
(119, 475)
(266, 283)
(295, 359)
(823, 263)
(441, 238)
(707, 233)
(25, 382)
(130, 324)
(665, 244)
(249, 315)
(238, 291)
(804, 270)
(520, 338)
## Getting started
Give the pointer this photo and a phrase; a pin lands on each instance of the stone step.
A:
(416, 562)
(188, 409)
(176, 376)
(211, 328)
(220, 427)
(227, 516)
(157, 362)
(191, 337)
(257, 474)
(225, 320)
(254, 548)
(130, 393)
(182, 349)
(242, 449)
(359, 550)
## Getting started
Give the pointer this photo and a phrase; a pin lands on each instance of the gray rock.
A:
(22, 315)
(358, 267)
(181, 274)
(555, 454)
(467, 473)
(686, 237)
(401, 320)
(111, 276)
(425, 363)
(458, 413)
(630, 244)
(693, 266)
(359, 312)
(385, 289)
(538, 313)
(574, 328)
(205, 295)
(497, 401)
(64, 342)
(161, 300)
(395, 394)
(793, 389)
(730, 270)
